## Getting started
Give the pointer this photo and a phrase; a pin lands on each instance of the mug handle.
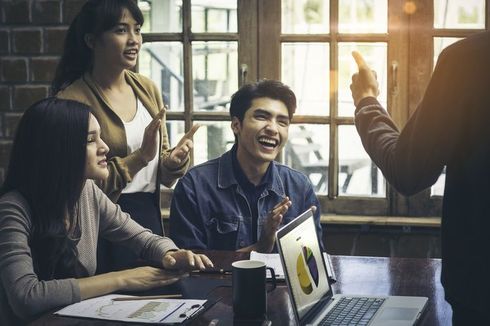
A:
(273, 278)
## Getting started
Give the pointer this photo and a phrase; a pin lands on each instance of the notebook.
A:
(311, 295)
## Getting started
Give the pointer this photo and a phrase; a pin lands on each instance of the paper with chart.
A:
(274, 261)
(163, 311)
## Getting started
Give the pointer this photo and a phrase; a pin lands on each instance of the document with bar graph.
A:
(160, 311)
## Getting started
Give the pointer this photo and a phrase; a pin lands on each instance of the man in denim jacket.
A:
(239, 200)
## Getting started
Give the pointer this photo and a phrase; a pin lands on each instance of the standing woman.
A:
(52, 213)
(101, 47)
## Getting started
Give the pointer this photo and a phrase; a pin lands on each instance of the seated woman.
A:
(52, 213)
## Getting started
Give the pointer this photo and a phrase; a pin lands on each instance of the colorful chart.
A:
(307, 270)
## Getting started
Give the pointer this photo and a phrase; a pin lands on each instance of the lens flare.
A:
(409, 7)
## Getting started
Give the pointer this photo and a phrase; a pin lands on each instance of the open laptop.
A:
(311, 294)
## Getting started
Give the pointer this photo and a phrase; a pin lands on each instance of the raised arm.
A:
(412, 159)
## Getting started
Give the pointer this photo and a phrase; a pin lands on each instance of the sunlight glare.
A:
(409, 7)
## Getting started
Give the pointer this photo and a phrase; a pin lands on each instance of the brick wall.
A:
(31, 41)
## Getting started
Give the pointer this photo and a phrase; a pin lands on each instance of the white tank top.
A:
(146, 178)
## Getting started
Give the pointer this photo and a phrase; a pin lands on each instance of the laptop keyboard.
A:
(352, 311)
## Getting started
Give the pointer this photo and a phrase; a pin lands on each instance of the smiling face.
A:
(262, 133)
(96, 161)
(119, 46)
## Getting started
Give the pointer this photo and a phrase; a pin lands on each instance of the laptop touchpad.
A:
(392, 313)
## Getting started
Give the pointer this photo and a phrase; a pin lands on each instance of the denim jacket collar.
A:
(226, 177)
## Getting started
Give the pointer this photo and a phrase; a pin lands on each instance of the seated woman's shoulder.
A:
(13, 204)
(13, 196)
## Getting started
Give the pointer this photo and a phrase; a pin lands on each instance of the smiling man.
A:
(239, 200)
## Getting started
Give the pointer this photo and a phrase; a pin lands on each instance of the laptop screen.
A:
(303, 263)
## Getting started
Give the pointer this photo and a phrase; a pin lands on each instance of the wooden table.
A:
(355, 275)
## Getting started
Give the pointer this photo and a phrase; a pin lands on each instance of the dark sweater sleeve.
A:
(413, 159)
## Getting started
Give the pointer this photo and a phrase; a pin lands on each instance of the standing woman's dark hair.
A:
(95, 17)
(47, 167)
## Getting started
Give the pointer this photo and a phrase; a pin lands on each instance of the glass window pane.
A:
(438, 188)
(162, 63)
(363, 16)
(440, 43)
(375, 55)
(162, 16)
(306, 68)
(305, 16)
(459, 14)
(358, 176)
(175, 131)
(211, 140)
(307, 151)
(214, 16)
(215, 74)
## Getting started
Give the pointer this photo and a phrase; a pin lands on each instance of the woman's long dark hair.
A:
(95, 17)
(47, 167)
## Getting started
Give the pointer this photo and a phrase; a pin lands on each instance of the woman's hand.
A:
(181, 152)
(186, 260)
(136, 279)
(145, 278)
(149, 145)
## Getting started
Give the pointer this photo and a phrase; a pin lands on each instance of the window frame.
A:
(259, 52)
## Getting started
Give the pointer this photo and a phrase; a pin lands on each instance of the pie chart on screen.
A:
(307, 269)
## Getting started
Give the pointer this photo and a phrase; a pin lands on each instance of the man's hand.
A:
(272, 223)
(181, 152)
(364, 83)
(186, 260)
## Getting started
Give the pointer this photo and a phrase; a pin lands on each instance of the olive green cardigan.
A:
(122, 167)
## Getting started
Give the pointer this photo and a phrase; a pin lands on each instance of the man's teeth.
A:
(268, 142)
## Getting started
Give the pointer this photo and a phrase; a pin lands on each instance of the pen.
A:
(214, 271)
(149, 297)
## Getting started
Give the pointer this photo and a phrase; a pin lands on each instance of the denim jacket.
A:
(210, 210)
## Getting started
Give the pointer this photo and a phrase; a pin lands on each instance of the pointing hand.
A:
(364, 83)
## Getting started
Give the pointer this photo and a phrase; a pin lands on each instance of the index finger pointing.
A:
(191, 132)
(361, 63)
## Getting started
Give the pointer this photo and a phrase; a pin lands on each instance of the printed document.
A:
(160, 311)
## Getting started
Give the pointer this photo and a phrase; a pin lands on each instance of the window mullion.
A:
(487, 14)
(420, 61)
(187, 52)
(269, 44)
(398, 86)
(333, 165)
(247, 39)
